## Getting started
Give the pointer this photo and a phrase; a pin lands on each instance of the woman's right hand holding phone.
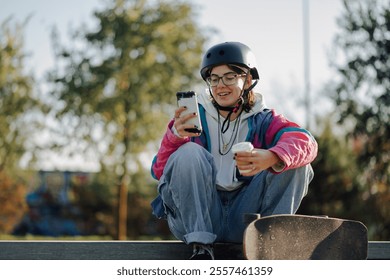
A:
(180, 123)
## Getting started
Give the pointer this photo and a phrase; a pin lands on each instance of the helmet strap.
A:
(226, 122)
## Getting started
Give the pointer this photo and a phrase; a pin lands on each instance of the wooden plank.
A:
(379, 250)
(133, 250)
(107, 250)
(96, 250)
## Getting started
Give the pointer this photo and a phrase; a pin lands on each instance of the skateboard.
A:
(300, 237)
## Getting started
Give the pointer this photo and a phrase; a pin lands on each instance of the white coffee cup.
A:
(243, 147)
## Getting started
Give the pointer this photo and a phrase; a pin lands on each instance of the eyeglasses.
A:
(228, 79)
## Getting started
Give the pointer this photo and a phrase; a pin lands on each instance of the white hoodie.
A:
(226, 176)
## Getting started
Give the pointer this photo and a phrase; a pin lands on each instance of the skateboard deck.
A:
(300, 237)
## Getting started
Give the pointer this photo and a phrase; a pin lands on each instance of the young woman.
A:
(202, 194)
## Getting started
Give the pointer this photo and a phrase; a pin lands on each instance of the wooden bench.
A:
(133, 250)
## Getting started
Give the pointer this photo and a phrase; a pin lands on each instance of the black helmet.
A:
(229, 53)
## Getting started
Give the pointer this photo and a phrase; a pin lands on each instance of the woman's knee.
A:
(191, 166)
(188, 150)
(191, 155)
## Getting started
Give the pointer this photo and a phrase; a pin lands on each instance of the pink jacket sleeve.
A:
(169, 144)
(295, 149)
(295, 146)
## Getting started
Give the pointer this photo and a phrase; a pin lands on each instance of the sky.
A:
(273, 29)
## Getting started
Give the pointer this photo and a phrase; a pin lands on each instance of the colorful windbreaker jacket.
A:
(294, 145)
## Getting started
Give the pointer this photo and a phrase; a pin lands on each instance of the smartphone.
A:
(190, 100)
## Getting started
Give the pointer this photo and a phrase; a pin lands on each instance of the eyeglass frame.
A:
(236, 75)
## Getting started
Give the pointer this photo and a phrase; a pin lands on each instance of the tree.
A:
(362, 99)
(17, 100)
(363, 92)
(18, 105)
(12, 202)
(335, 190)
(115, 83)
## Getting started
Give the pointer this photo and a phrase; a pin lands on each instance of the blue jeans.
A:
(199, 213)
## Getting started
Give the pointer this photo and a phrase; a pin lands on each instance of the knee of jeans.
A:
(305, 171)
(189, 153)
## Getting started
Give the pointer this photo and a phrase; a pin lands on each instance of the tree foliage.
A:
(12, 203)
(352, 173)
(17, 103)
(115, 87)
(363, 91)
(115, 82)
(334, 188)
(17, 100)
(363, 101)
(337, 189)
